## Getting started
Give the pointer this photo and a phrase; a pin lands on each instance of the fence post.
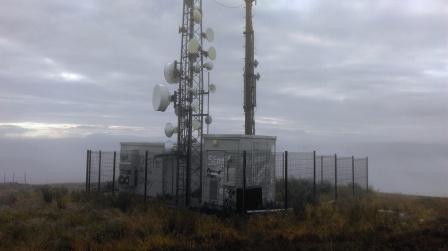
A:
(188, 180)
(314, 176)
(367, 174)
(321, 169)
(90, 168)
(99, 171)
(177, 179)
(244, 183)
(87, 171)
(113, 173)
(336, 177)
(286, 180)
(146, 174)
(353, 175)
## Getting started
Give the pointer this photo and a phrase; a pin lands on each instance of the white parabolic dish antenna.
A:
(208, 120)
(171, 73)
(196, 125)
(170, 130)
(193, 46)
(209, 35)
(211, 53)
(208, 66)
(212, 88)
(197, 16)
(160, 98)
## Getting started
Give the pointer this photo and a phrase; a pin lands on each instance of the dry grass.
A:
(73, 220)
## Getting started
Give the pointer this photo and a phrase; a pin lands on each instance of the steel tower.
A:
(250, 90)
(189, 103)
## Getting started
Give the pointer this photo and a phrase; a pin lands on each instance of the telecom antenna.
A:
(188, 101)
(250, 89)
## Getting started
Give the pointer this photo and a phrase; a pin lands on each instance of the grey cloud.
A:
(9, 130)
(335, 75)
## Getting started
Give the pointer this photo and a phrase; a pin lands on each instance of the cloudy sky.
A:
(356, 77)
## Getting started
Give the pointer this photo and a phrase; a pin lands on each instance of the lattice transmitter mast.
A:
(250, 89)
(188, 100)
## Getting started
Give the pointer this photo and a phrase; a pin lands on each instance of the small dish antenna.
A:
(197, 68)
(211, 53)
(208, 66)
(196, 125)
(197, 16)
(193, 46)
(172, 73)
(257, 76)
(209, 34)
(256, 63)
(212, 88)
(160, 98)
(208, 119)
(170, 130)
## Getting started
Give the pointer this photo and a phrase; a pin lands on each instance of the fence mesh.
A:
(361, 175)
(100, 171)
(309, 177)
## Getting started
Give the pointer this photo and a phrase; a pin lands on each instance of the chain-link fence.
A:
(239, 180)
(101, 171)
(137, 172)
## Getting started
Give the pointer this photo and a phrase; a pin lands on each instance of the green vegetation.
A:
(300, 193)
(57, 218)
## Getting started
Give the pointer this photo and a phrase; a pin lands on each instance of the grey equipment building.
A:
(222, 170)
(160, 174)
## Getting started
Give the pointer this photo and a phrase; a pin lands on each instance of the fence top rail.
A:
(97, 151)
(344, 158)
(257, 151)
(327, 156)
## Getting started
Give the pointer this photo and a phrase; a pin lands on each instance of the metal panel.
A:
(223, 155)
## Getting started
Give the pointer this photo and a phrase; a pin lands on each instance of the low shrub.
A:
(62, 201)
(123, 201)
(8, 199)
(47, 194)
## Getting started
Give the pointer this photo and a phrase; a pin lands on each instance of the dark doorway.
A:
(254, 198)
